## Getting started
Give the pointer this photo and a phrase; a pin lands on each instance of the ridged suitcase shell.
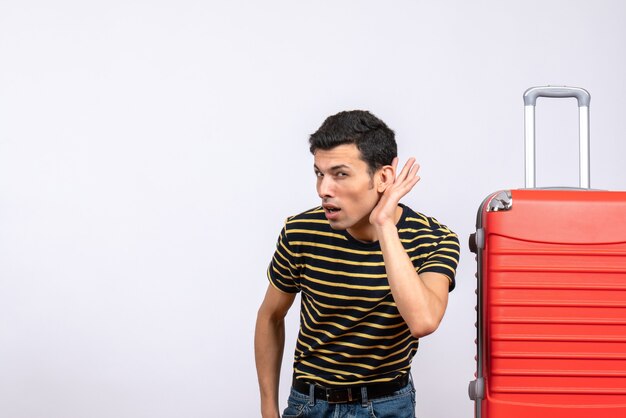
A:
(552, 306)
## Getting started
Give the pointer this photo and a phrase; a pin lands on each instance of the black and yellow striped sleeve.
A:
(283, 271)
(444, 257)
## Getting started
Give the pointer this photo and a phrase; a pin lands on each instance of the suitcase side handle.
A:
(530, 101)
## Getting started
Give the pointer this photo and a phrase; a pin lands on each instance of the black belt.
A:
(352, 393)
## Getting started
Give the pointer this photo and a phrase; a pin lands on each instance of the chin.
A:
(338, 225)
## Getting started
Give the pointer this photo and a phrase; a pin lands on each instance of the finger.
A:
(410, 181)
(409, 171)
(414, 170)
(408, 184)
(406, 169)
(403, 189)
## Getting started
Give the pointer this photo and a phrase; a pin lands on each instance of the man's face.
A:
(346, 187)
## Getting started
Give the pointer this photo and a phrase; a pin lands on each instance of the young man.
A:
(374, 277)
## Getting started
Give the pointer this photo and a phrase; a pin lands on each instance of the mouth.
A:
(331, 211)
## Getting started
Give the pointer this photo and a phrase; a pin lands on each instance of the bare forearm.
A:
(269, 342)
(420, 307)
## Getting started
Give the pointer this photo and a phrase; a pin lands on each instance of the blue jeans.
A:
(399, 404)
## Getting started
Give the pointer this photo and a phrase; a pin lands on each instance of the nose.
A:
(325, 187)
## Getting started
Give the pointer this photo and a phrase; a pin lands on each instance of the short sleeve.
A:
(444, 258)
(284, 271)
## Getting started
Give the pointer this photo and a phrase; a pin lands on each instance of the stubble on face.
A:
(347, 189)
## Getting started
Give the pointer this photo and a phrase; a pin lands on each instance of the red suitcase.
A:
(551, 329)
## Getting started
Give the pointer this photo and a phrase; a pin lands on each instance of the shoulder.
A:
(310, 221)
(310, 226)
(418, 222)
(313, 219)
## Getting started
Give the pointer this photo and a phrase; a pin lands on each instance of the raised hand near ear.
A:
(393, 189)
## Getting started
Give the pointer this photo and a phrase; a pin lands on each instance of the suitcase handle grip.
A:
(530, 100)
(531, 95)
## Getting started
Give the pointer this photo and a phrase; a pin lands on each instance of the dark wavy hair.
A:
(372, 137)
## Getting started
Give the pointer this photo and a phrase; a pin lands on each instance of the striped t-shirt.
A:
(350, 329)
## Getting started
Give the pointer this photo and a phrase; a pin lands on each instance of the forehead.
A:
(341, 155)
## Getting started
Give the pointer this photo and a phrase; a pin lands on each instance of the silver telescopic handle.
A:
(530, 100)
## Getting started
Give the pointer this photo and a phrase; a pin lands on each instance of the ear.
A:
(385, 177)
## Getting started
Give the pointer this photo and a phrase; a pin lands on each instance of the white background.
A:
(151, 150)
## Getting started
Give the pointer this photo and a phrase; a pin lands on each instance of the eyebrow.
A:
(334, 168)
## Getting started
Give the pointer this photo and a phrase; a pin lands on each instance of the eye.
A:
(318, 174)
(341, 174)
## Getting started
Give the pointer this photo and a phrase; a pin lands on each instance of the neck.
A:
(364, 231)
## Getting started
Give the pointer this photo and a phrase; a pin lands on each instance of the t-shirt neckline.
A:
(376, 243)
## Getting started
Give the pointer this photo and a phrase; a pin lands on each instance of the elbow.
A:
(424, 327)
(270, 316)
(267, 317)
